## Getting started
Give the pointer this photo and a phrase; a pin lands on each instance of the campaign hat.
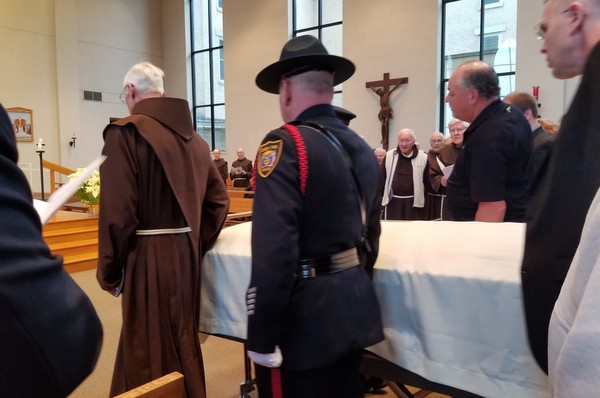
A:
(299, 55)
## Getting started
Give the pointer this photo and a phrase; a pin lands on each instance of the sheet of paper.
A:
(64, 193)
(448, 170)
(40, 206)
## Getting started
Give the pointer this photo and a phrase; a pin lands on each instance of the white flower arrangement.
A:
(89, 192)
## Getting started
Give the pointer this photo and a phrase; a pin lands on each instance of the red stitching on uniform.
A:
(302, 156)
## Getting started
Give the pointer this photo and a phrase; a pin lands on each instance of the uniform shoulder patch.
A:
(269, 154)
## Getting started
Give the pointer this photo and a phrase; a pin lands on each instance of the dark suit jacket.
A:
(49, 331)
(559, 206)
(542, 147)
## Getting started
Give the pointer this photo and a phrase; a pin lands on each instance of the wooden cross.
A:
(383, 88)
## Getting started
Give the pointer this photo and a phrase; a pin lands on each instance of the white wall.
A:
(111, 36)
(28, 70)
(64, 47)
(384, 36)
(254, 32)
(554, 95)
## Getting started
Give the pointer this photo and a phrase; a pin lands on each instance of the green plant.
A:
(89, 192)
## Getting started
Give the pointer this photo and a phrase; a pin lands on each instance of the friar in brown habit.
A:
(163, 204)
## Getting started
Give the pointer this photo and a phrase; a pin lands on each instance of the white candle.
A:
(40, 145)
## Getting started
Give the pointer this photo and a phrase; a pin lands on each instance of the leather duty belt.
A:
(313, 267)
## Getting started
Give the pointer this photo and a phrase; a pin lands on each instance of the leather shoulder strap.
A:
(348, 161)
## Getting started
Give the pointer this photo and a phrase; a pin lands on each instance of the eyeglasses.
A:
(123, 94)
(540, 28)
(457, 130)
(405, 141)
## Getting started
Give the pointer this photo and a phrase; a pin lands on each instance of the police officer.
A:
(311, 304)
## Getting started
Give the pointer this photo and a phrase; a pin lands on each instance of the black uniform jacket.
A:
(313, 321)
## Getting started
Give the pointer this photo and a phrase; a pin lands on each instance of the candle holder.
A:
(40, 151)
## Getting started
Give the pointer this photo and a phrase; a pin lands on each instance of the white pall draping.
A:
(450, 294)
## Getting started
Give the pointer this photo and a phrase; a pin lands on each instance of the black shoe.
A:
(373, 385)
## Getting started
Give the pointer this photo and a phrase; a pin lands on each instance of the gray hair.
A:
(436, 133)
(480, 76)
(319, 81)
(146, 78)
(412, 133)
(455, 120)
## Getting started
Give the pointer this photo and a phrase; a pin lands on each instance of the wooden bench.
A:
(238, 205)
(240, 210)
(168, 386)
(240, 193)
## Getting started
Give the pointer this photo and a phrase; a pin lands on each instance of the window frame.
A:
(319, 27)
(213, 52)
(481, 9)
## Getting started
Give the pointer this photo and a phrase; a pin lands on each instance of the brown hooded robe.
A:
(158, 174)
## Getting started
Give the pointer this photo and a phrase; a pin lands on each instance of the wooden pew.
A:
(168, 386)
(238, 205)
(239, 193)
(240, 210)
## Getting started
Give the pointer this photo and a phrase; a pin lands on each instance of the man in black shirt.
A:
(489, 181)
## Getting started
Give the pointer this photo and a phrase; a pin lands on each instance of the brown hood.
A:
(161, 109)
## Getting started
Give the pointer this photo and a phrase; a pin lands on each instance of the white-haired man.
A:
(439, 171)
(404, 187)
(163, 205)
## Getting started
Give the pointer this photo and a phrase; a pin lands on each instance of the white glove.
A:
(272, 360)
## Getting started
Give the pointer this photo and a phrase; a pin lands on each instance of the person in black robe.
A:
(50, 333)
(563, 196)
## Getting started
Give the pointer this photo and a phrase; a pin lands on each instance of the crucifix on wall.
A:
(383, 88)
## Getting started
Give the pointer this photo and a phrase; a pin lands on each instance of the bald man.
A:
(241, 170)
(220, 163)
(489, 180)
(571, 37)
